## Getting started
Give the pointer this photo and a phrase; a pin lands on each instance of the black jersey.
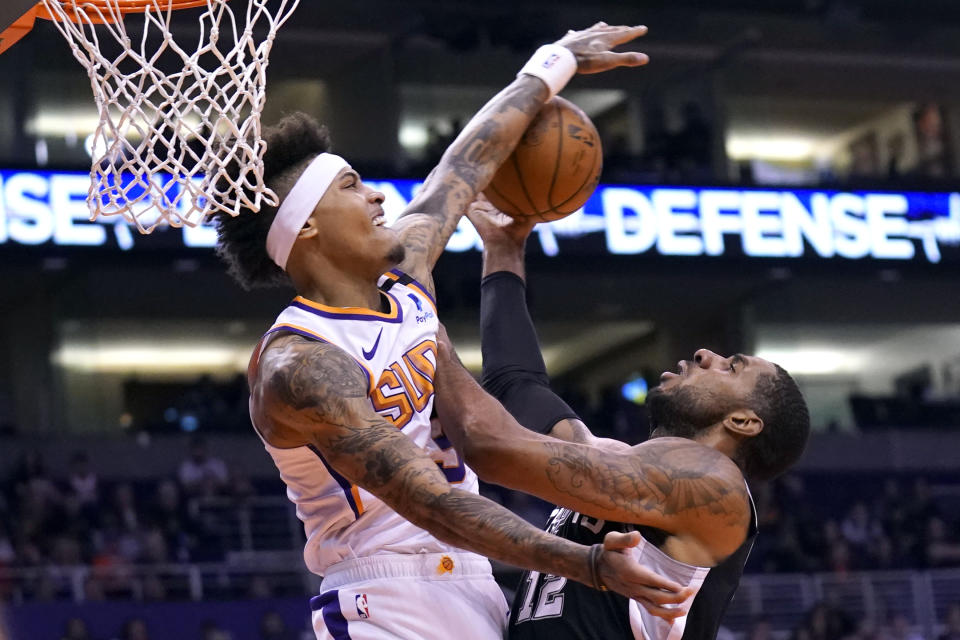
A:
(549, 607)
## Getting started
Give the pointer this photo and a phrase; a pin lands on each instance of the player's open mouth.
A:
(379, 220)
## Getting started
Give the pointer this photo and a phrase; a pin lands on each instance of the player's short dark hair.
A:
(786, 426)
(242, 241)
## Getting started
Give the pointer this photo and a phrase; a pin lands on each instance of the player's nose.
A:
(376, 197)
(705, 358)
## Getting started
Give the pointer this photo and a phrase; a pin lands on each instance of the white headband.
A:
(300, 203)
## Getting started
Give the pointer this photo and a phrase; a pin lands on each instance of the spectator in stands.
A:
(952, 630)
(942, 547)
(153, 589)
(899, 628)
(761, 629)
(210, 631)
(891, 508)
(155, 550)
(840, 560)
(882, 556)
(201, 473)
(272, 627)
(81, 481)
(134, 629)
(76, 629)
(173, 518)
(124, 508)
(36, 498)
(768, 507)
(824, 623)
(31, 472)
(116, 550)
(859, 528)
(93, 590)
(258, 588)
(8, 556)
(787, 555)
(922, 505)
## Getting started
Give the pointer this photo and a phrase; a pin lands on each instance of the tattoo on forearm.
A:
(672, 481)
(468, 166)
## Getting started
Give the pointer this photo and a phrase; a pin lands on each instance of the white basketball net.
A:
(172, 117)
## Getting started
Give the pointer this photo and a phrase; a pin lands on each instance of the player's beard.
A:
(397, 254)
(683, 412)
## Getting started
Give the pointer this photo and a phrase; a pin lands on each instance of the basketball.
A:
(555, 167)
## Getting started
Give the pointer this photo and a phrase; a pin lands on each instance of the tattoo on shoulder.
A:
(673, 481)
(308, 374)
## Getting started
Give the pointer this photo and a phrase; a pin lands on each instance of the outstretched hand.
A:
(496, 227)
(620, 572)
(592, 47)
(504, 238)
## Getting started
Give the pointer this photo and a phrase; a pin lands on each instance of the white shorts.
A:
(425, 596)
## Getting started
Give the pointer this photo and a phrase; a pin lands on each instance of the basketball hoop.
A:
(172, 117)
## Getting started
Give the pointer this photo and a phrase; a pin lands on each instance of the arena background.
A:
(781, 179)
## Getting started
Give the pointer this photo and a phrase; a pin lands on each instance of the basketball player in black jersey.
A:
(714, 423)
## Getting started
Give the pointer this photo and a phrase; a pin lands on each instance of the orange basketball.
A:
(555, 167)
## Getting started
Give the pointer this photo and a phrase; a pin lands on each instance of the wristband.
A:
(595, 552)
(554, 64)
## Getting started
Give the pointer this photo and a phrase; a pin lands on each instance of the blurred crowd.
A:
(672, 152)
(808, 523)
(822, 622)
(272, 627)
(854, 524)
(683, 145)
(831, 622)
(54, 522)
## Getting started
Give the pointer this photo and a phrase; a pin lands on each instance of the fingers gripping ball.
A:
(555, 167)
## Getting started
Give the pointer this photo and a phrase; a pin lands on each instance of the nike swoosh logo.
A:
(372, 351)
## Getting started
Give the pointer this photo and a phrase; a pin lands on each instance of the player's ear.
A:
(743, 422)
(310, 228)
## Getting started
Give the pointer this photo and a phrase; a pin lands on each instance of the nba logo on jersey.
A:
(362, 609)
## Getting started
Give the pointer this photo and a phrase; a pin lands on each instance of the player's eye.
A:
(732, 368)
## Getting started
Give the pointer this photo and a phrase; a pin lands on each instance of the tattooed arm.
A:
(677, 485)
(469, 164)
(316, 390)
(504, 243)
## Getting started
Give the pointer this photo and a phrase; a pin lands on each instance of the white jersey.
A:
(397, 350)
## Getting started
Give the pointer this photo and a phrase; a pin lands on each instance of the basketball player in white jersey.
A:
(715, 422)
(342, 383)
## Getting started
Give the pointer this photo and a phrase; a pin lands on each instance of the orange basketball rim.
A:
(93, 10)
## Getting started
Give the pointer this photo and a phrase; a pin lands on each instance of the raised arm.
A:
(673, 484)
(470, 162)
(513, 368)
(318, 391)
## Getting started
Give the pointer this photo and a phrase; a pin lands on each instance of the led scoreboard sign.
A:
(49, 208)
